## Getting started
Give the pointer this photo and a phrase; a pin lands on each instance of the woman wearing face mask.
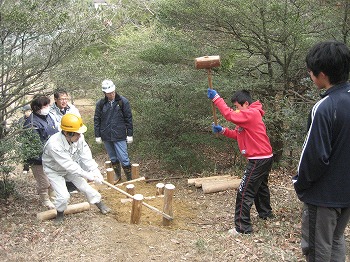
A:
(43, 126)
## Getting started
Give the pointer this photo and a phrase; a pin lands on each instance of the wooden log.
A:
(210, 187)
(136, 209)
(130, 188)
(218, 180)
(110, 175)
(71, 209)
(192, 181)
(135, 171)
(168, 202)
(149, 180)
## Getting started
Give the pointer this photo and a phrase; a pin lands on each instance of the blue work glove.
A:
(217, 128)
(212, 93)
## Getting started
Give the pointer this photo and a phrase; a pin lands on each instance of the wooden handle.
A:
(212, 103)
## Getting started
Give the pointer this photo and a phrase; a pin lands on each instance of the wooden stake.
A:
(143, 203)
(71, 209)
(135, 171)
(110, 175)
(168, 202)
(108, 164)
(130, 188)
(160, 189)
(136, 209)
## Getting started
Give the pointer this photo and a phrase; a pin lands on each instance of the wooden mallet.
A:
(208, 62)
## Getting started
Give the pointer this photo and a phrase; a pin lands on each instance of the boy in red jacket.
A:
(254, 144)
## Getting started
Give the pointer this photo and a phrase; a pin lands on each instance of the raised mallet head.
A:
(207, 62)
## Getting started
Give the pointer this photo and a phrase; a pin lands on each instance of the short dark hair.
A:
(241, 97)
(59, 92)
(332, 58)
(38, 102)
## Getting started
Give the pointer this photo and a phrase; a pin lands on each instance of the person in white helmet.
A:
(67, 157)
(114, 127)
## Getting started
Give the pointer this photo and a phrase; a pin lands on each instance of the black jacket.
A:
(45, 127)
(323, 177)
(113, 122)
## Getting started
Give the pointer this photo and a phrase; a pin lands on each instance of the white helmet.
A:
(108, 86)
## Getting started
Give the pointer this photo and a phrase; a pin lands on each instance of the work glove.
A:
(217, 129)
(98, 140)
(212, 94)
(88, 175)
(129, 139)
(98, 178)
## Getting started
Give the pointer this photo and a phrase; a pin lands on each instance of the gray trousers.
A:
(42, 182)
(323, 233)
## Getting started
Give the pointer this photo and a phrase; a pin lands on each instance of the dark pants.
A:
(253, 189)
(323, 233)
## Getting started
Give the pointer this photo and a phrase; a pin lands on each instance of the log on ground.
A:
(212, 187)
(192, 181)
(71, 209)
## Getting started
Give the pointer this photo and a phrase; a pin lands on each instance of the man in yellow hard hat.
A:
(67, 157)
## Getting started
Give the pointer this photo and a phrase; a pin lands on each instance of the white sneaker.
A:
(233, 232)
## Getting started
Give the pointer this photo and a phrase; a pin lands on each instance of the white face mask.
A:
(44, 111)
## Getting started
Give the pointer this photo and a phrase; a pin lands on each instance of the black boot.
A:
(127, 172)
(59, 218)
(117, 171)
(103, 208)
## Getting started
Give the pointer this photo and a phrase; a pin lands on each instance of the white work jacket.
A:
(61, 158)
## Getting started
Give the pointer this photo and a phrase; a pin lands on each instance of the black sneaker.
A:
(271, 216)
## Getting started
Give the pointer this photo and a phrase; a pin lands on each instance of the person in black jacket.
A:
(322, 182)
(114, 127)
(41, 123)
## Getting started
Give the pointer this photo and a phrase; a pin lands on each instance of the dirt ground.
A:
(197, 233)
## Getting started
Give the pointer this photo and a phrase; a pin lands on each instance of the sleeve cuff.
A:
(215, 97)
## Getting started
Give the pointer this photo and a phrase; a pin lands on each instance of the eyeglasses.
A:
(63, 99)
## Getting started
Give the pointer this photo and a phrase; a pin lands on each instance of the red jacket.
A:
(250, 131)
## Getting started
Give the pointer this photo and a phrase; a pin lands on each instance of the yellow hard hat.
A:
(73, 123)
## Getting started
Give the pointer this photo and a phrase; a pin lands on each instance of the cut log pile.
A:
(214, 184)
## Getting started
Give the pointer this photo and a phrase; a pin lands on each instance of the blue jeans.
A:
(117, 151)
